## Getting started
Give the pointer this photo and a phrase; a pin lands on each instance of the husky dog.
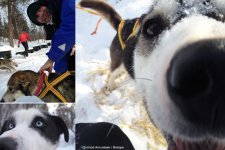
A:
(8, 64)
(32, 129)
(119, 56)
(179, 62)
(26, 82)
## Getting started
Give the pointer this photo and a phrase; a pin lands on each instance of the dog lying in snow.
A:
(8, 64)
(119, 56)
(25, 83)
(178, 64)
(32, 130)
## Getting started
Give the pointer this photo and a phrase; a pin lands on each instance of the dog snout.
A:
(196, 82)
(8, 144)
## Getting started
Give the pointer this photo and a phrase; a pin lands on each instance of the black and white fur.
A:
(32, 130)
(119, 57)
(179, 62)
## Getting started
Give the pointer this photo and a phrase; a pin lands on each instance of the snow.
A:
(122, 106)
(5, 48)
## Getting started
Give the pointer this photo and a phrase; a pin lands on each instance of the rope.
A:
(120, 28)
(88, 10)
(135, 29)
(96, 28)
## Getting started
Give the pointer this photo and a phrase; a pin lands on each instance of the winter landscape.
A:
(122, 106)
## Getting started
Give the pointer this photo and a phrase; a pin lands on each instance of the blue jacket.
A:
(64, 37)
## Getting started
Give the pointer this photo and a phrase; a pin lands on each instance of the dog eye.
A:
(39, 124)
(153, 27)
(11, 126)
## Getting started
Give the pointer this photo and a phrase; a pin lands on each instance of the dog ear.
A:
(23, 81)
(61, 126)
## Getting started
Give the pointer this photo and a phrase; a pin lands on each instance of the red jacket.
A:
(24, 37)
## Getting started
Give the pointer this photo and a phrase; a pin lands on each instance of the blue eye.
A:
(39, 123)
(11, 126)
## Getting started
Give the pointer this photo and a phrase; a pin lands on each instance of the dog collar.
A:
(40, 83)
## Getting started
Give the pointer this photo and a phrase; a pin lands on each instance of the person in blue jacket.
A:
(58, 19)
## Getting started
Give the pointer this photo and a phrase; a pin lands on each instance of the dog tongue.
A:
(203, 145)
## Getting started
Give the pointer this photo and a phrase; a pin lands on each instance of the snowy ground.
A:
(123, 106)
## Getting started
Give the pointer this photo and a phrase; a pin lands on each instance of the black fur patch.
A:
(6, 125)
(52, 128)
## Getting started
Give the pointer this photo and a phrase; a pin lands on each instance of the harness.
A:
(134, 32)
(49, 87)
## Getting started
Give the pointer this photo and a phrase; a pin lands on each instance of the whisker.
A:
(143, 79)
(127, 81)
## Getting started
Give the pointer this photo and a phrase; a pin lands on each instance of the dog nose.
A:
(7, 144)
(196, 82)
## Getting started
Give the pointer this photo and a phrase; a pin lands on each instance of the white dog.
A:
(32, 130)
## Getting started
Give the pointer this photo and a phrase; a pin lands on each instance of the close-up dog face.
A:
(179, 63)
(32, 129)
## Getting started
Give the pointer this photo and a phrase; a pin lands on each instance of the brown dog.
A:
(8, 64)
(25, 83)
